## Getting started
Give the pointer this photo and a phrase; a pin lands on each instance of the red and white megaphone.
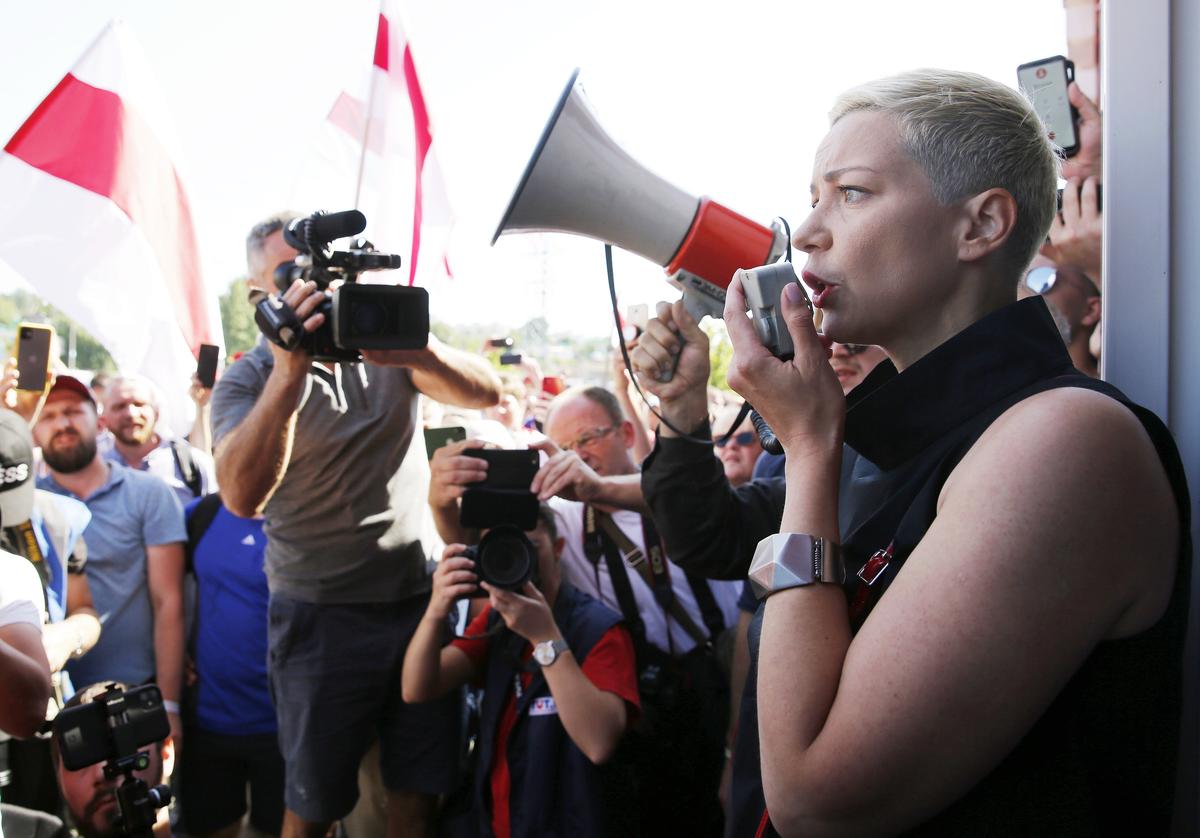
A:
(580, 181)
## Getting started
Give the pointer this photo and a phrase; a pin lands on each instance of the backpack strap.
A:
(186, 463)
(198, 523)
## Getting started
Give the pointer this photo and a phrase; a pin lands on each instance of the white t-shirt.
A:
(595, 580)
(21, 596)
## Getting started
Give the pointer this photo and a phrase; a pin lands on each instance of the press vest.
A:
(555, 789)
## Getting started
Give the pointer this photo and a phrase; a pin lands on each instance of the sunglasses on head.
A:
(743, 439)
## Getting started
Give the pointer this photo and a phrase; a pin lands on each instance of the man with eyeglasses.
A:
(613, 553)
(1074, 301)
(616, 556)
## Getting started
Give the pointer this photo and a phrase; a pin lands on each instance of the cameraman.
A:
(90, 798)
(546, 726)
(334, 455)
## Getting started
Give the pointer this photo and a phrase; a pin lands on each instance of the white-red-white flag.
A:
(94, 216)
(375, 152)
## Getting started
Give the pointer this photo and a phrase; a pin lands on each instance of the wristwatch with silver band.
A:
(547, 652)
(792, 560)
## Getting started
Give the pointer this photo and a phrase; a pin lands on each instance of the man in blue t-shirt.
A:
(230, 726)
(135, 551)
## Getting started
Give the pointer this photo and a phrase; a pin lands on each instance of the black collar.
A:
(893, 416)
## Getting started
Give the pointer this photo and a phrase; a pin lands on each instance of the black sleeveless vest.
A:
(1101, 760)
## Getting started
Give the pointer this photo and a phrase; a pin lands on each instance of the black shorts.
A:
(214, 773)
(335, 681)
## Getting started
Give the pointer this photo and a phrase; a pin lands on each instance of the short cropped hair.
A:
(262, 230)
(600, 395)
(137, 380)
(970, 134)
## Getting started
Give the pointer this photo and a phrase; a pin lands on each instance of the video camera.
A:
(113, 728)
(503, 505)
(356, 316)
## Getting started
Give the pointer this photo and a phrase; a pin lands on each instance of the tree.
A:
(237, 319)
(25, 305)
(720, 352)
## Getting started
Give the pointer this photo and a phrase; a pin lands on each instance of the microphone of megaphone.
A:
(580, 181)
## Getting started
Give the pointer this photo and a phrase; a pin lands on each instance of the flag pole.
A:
(369, 109)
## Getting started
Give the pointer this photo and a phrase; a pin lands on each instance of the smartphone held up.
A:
(1045, 82)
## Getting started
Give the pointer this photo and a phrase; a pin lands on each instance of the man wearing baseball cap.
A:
(45, 529)
(134, 544)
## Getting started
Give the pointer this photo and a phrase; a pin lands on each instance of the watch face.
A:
(544, 654)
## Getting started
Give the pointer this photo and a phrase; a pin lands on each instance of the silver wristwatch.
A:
(547, 652)
(790, 560)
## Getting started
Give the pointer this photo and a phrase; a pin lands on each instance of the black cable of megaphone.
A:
(766, 436)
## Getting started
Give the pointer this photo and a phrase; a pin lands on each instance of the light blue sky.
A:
(723, 99)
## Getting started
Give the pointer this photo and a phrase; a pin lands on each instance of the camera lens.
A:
(368, 317)
(506, 559)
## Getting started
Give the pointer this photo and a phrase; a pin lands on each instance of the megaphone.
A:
(580, 181)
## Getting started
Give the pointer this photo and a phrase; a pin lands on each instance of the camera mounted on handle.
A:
(357, 316)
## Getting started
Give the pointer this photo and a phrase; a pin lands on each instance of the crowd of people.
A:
(930, 614)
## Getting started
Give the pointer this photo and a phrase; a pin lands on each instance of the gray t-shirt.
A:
(130, 512)
(345, 523)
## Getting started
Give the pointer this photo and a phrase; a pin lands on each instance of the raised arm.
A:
(595, 719)
(252, 458)
(26, 677)
(1031, 561)
(431, 668)
(444, 374)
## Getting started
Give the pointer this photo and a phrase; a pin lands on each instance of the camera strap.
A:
(652, 565)
(595, 546)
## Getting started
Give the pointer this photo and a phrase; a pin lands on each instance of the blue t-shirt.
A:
(130, 512)
(231, 627)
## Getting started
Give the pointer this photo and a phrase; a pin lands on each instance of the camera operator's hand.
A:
(1076, 232)
(451, 472)
(674, 341)
(527, 613)
(452, 580)
(303, 298)
(564, 475)
(1088, 161)
(25, 403)
(801, 399)
(198, 393)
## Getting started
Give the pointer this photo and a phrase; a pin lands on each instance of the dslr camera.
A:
(357, 316)
(503, 505)
(113, 728)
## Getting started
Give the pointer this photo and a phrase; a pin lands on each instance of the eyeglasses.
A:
(1040, 280)
(743, 439)
(588, 438)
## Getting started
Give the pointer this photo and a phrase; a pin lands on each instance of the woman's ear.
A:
(989, 218)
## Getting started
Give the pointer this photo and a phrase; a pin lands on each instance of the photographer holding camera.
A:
(91, 794)
(333, 453)
(612, 552)
(560, 689)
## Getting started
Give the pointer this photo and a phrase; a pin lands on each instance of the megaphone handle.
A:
(698, 307)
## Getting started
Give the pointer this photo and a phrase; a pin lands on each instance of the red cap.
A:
(73, 385)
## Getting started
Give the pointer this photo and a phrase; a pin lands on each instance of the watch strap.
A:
(792, 560)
